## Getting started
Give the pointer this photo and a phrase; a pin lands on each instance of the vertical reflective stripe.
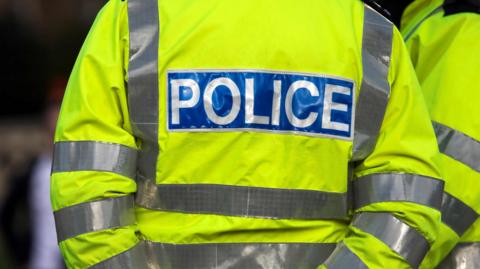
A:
(375, 90)
(400, 237)
(463, 256)
(94, 156)
(456, 214)
(458, 145)
(412, 188)
(143, 81)
(94, 216)
(153, 255)
(343, 258)
(137, 257)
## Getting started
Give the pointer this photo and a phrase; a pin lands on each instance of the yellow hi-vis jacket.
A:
(224, 134)
(443, 38)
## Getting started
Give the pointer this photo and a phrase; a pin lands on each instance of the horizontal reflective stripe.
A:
(463, 256)
(222, 256)
(242, 201)
(94, 156)
(375, 89)
(418, 189)
(456, 214)
(94, 216)
(458, 145)
(134, 258)
(400, 237)
(343, 258)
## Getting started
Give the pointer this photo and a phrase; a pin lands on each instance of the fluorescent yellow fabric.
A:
(95, 108)
(249, 39)
(402, 132)
(473, 234)
(233, 35)
(416, 12)
(88, 249)
(444, 51)
(180, 228)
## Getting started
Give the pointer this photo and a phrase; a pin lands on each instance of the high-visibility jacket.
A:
(443, 38)
(236, 125)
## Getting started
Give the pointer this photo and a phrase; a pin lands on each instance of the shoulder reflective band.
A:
(242, 201)
(458, 145)
(94, 216)
(343, 258)
(94, 156)
(456, 214)
(375, 90)
(143, 81)
(227, 255)
(412, 188)
(400, 237)
(463, 256)
(134, 258)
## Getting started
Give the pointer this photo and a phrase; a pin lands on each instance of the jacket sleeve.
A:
(95, 153)
(446, 62)
(396, 187)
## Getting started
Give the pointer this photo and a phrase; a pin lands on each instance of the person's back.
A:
(443, 38)
(247, 116)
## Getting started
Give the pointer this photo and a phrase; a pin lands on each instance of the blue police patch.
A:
(256, 100)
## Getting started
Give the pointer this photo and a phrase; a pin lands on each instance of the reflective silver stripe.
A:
(221, 256)
(375, 91)
(458, 145)
(456, 214)
(135, 258)
(94, 156)
(242, 201)
(94, 216)
(241, 255)
(400, 237)
(343, 258)
(143, 81)
(463, 256)
(418, 189)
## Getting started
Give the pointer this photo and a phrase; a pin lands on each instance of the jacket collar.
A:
(416, 12)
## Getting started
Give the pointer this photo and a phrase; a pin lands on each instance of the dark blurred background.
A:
(39, 42)
(40, 39)
(395, 8)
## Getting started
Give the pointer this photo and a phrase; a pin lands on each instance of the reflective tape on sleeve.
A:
(412, 188)
(343, 258)
(456, 214)
(137, 257)
(398, 236)
(220, 256)
(242, 201)
(143, 89)
(463, 256)
(94, 216)
(375, 89)
(94, 156)
(458, 145)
